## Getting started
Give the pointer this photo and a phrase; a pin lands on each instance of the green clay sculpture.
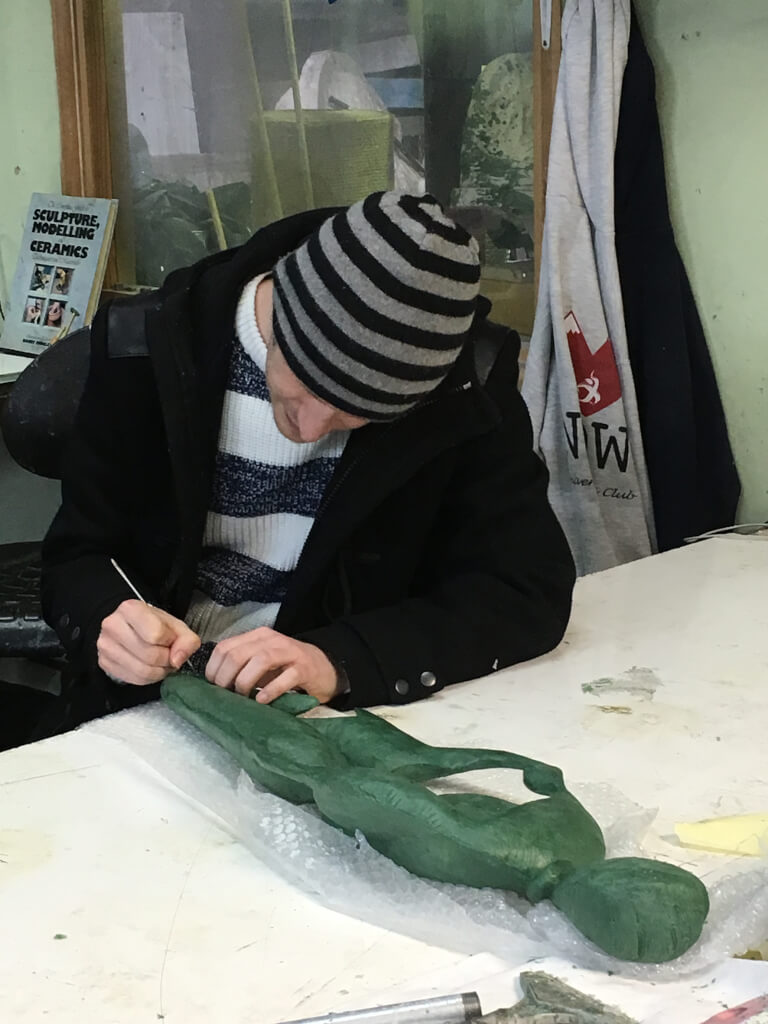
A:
(366, 775)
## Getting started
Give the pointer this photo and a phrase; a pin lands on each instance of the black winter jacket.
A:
(434, 558)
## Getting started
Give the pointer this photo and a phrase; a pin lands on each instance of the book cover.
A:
(59, 272)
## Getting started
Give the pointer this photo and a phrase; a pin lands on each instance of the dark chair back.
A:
(39, 414)
(36, 422)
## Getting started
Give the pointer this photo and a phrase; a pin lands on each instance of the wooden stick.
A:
(261, 126)
(306, 172)
(218, 227)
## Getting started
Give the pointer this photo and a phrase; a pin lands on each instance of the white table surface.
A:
(165, 913)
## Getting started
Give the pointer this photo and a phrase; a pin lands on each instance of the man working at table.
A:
(310, 457)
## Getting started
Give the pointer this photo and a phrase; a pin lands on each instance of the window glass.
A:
(228, 115)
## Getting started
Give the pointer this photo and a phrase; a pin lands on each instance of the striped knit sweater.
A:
(265, 495)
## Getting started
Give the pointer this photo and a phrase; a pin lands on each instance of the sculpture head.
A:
(633, 908)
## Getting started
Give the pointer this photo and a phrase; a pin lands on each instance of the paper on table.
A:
(745, 834)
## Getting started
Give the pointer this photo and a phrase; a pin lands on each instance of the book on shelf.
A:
(60, 270)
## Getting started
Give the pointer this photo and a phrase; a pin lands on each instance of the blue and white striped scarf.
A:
(266, 493)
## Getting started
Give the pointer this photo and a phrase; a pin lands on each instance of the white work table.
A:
(11, 366)
(659, 689)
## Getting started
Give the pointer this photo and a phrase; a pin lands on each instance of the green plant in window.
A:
(174, 228)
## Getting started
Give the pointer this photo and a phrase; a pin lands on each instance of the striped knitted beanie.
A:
(372, 310)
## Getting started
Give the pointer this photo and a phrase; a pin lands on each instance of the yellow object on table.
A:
(745, 834)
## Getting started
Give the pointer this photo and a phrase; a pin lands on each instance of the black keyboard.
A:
(23, 633)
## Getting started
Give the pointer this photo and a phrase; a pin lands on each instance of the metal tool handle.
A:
(455, 1009)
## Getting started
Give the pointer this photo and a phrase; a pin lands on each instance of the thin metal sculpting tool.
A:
(120, 572)
(455, 1009)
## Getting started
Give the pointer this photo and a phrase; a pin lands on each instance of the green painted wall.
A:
(29, 162)
(712, 82)
(29, 121)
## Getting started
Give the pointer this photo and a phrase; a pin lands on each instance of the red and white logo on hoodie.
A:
(597, 375)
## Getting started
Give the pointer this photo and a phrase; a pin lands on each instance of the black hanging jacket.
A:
(693, 478)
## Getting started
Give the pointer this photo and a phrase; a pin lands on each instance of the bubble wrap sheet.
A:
(347, 875)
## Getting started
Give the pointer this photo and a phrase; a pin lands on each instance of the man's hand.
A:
(140, 644)
(275, 662)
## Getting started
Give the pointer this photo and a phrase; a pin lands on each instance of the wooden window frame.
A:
(81, 76)
(82, 72)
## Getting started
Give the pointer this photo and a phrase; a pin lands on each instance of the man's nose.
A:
(315, 420)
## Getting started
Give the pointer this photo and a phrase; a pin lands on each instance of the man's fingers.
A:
(261, 634)
(234, 648)
(185, 645)
(227, 661)
(157, 628)
(252, 676)
(152, 625)
(119, 662)
(225, 669)
(118, 629)
(282, 683)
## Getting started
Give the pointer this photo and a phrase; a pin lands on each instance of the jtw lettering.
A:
(614, 444)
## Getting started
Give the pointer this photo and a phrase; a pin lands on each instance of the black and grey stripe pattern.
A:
(372, 310)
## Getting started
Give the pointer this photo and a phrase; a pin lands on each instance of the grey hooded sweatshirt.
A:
(578, 381)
